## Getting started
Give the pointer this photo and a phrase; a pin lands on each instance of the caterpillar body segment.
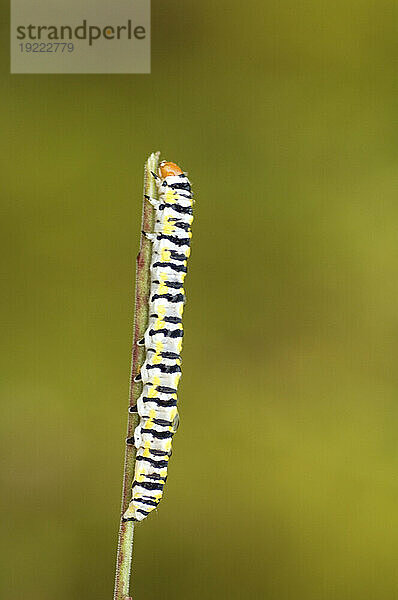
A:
(161, 370)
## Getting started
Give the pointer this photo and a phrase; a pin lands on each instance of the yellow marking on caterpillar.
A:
(162, 286)
(177, 377)
(165, 255)
(159, 323)
(159, 348)
(151, 392)
(170, 197)
(167, 227)
(161, 311)
(156, 359)
(163, 275)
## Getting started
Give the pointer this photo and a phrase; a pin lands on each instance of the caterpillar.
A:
(161, 370)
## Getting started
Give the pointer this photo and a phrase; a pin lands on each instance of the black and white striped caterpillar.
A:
(161, 371)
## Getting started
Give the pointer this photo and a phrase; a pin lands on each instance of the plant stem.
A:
(142, 289)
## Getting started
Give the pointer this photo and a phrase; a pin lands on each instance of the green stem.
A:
(142, 289)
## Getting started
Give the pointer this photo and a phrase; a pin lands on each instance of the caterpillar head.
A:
(169, 169)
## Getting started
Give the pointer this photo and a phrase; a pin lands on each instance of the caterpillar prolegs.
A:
(161, 371)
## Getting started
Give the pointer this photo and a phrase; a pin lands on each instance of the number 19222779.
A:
(59, 47)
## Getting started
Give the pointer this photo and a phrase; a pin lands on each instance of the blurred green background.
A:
(283, 483)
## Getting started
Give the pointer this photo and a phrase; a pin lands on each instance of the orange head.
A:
(168, 168)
